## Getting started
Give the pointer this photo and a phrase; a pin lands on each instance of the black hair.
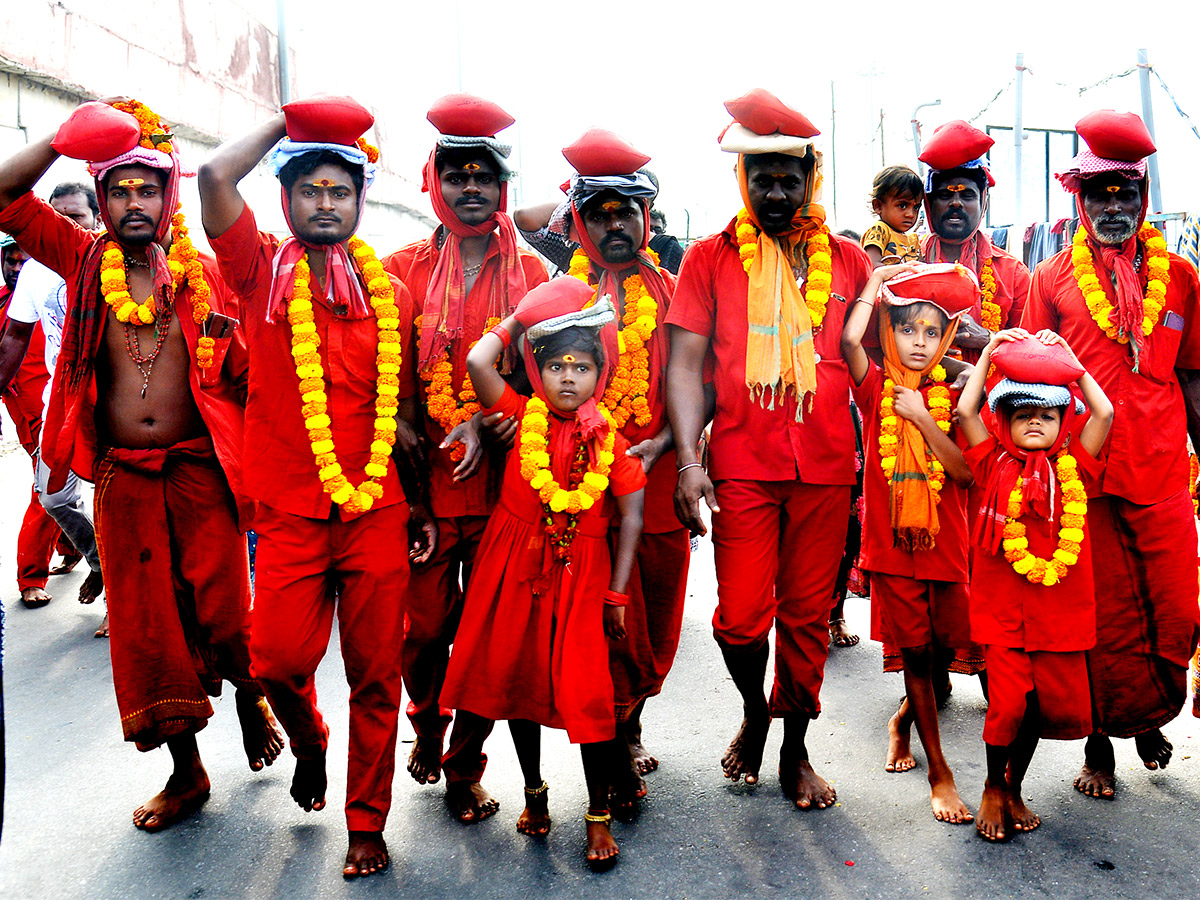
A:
(305, 164)
(852, 234)
(457, 157)
(976, 174)
(905, 315)
(576, 337)
(71, 188)
(897, 181)
(807, 161)
(658, 214)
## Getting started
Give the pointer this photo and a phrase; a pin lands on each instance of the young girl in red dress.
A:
(546, 596)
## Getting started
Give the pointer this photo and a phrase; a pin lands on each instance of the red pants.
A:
(435, 604)
(1144, 563)
(914, 612)
(304, 568)
(177, 581)
(777, 547)
(39, 535)
(653, 619)
(1058, 680)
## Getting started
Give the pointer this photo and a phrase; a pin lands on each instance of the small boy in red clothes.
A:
(546, 596)
(914, 485)
(1032, 599)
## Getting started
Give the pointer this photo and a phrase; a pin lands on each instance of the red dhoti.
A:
(435, 604)
(304, 567)
(1144, 563)
(653, 619)
(777, 546)
(39, 535)
(177, 580)
(1058, 680)
(915, 612)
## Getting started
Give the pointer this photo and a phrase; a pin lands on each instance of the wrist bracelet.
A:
(694, 465)
(613, 598)
(501, 332)
(864, 300)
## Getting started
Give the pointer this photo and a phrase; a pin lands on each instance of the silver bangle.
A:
(864, 300)
(694, 465)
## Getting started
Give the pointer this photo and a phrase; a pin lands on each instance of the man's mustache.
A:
(325, 217)
(133, 218)
(616, 238)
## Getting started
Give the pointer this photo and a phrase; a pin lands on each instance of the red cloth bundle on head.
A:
(954, 145)
(764, 113)
(602, 152)
(97, 131)
(327, 119)
(466, 115)
(1032, 362)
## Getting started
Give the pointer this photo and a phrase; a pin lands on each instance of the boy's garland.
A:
(1070, 528)
(889, 428)
(305, 351)
(443, 406)
(819, 280)
(1158, 278)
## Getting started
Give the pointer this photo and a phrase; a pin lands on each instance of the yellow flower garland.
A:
(625, 395)
(819, 281)
(987, 285)
(1157, 265)
(535, 463)
(889, 428)
(305, 350)
(184, 263)
(1070, 528)
(441, 403)
(151, 125)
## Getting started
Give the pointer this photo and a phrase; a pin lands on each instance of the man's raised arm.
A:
(221, 202)
(21, 171)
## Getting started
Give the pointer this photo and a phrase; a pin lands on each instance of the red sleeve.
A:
(868, 394)
(1185, 277)
(511, 404)
(693, 304)
(980, 458)
(626, 475)
(245, 256)
(1091, 469)
(535, 271)
(1021, 280)
(52, 239)
(1040, 310)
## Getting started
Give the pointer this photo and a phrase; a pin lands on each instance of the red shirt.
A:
(23, 397)
(947, 559)
(1009, 610)
(1145, 457)
(748, 440)
(280, 469)
(69, 438)
(413, 264)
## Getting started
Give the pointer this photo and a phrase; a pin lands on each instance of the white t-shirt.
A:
(41, 296)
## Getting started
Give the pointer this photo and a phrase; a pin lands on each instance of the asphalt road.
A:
(72, 785)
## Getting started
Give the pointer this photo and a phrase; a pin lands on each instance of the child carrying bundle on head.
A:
(915, 481)
(545, 596)
(1032, 599)
(896, 197)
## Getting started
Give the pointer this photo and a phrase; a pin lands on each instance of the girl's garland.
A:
(1070, 528)
(819, 281)
(889, 429)
(1157, 265)
(305, 351)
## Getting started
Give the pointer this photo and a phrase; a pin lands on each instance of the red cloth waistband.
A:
(152, 459)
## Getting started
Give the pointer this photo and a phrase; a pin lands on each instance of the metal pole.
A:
(285, 78)
(916, 130)
(1156, 205)
(833, 146)
(1018, 139)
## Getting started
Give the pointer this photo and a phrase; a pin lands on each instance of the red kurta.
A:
(543, 658)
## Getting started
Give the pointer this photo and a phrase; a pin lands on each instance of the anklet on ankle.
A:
(604, 818)
(537, 793)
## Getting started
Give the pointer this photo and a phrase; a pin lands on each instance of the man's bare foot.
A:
(1098, 778)
(840, 634)
(535, 819)
(35, 597)
(602, 849)
(1022, 817)
(309, 784)
(1154, 748)
(743, 756)
(803, 786)
(992, 821)
(102, 631)
(67, 563)
(947, 804)
(899, 752)
(425, 761)
(92, 587)
(368, 854)
(261, 737)
(469, 802)
(641, 757)
(184, 794)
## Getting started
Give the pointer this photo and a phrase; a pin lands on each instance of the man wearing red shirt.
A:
(759, 310)
(956, 196)
(1131, 311)
(326, 330)
(468, 276)
(147, 403)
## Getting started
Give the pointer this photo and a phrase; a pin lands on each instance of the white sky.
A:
(658, 74)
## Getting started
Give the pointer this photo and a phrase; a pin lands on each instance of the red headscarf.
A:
(442, 312)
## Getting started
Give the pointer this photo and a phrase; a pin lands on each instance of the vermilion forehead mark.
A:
(955, 188)
(472, 167)
(611, 206)
(569, 357)
(324, 183)
(131, 182)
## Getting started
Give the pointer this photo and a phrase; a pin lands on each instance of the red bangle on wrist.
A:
(501, 332)
(612, 598)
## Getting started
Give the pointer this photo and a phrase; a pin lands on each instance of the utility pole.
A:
(285, 76)
(916, 130)
(1018, 141)
(1156, 205)
(832, 146)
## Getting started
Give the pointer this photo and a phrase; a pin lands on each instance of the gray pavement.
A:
(72, 785)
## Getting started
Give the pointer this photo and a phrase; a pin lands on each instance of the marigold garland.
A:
(889, 429)
(819, 281)
(625, 396)
(1158, 278)
(446, 406)
(150, 124)
(184, 262)
(305, 350)
(535, 463)
(987, 286)
(1070, 528)
(1193, 474)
